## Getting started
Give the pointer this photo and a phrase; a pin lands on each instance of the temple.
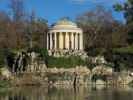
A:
(64, 36)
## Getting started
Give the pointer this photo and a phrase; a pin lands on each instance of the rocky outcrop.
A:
(80, 70)
(5, 73)
(124, 77)
(67, 76)
(36, 72)
(67, 53)
(102, 70)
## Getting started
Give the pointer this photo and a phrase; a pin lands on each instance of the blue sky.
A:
(53, 10)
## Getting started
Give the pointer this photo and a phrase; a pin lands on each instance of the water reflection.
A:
(67, 93)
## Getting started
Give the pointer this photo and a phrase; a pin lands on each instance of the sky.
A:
(53, 10)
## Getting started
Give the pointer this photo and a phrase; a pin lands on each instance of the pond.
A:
(67, 93)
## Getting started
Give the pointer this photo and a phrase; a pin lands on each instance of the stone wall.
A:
(67, 76)
(66, 53)
(36, 72)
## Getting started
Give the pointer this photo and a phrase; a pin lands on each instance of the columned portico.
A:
(67, 41)
(65, 35)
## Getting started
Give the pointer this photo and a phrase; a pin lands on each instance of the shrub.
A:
(128, 49)
(66, 62)
(96, 77)
(42, 51)
(3, 55)
(131, 83)
(95, 51)
(2, 58)
(4, 83)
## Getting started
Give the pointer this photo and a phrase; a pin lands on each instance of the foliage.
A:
(42, 51)
(96, 77)
(2, 58)
(21, 29)
(65, 62)
(4, 83)
(131, 83)
(127, 9)
(128, 50)
(36, 32)
(101, 31)
(95, 51)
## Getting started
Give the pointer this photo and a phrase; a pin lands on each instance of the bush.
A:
(128, 50)
(131, 83)
(42, 51)
(2, 58)
(4, 83)
(65, 62)
(3, 54)
(92, 51)
(96, 77)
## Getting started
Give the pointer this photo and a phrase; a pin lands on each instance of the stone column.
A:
(64, 40)
(81, 41)
(51, 41)
(60, 41)
(55, 38)
(72, 40)
(67, 40)
(48, 41)
(76, 41)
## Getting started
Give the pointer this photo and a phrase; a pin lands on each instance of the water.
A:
(67, 93)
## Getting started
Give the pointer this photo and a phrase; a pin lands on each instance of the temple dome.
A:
(65, 24)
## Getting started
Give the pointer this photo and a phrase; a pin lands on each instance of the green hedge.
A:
(4, 53)
(128, 49)
(65, 62)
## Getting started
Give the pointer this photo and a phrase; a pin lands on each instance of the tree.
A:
(17, 9)
(40, 35)
(36, 32)
(99, 28)
(127, 9)
(6, 35)
(18, 22)
(21, 31)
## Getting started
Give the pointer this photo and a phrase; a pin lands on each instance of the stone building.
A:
(64, 36)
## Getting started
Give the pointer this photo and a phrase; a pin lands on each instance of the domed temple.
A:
(65, 36)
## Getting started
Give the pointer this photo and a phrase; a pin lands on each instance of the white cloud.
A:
(79, 1)
(96, 1)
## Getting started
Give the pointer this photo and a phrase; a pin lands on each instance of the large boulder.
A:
(102, 70)
(4, 72)
(100, 82)
(125, 77)
(82, 70)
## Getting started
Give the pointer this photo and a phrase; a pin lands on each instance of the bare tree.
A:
(17, 9)
(18, 22)
(99, 27)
